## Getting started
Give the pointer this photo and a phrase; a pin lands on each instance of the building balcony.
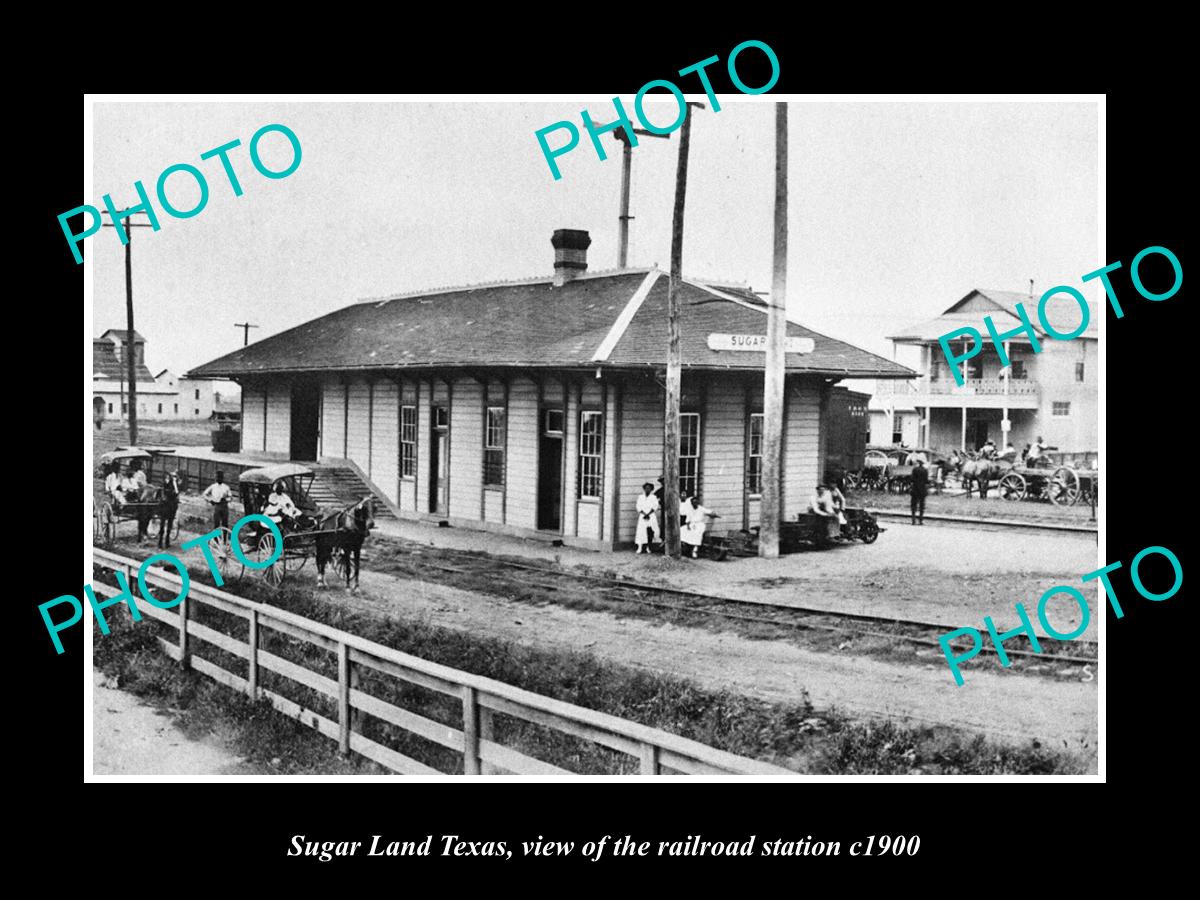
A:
(977, 393)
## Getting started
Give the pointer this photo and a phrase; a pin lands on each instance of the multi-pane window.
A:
(897, 428)
(408, 441)
(1060, 408)
(689, 453)
(591, 453)
(754, 455)
(493, 446)
(1079, 371)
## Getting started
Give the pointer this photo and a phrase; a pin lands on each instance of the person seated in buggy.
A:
(280, 509)
(127, 490)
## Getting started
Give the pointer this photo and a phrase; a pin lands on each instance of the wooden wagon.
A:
(109, 511)
(1062, 478)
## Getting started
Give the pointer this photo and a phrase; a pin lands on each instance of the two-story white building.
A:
(1052, 394)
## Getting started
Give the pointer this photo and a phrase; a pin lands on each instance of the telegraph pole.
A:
(626, 165)
(670, 511)
(773, 386)
(245, 326)
(130, 346)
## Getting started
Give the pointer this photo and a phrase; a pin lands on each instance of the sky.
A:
(896, 210)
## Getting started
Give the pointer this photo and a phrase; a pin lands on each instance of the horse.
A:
(980, 470)
(350, 528)
(168, 508)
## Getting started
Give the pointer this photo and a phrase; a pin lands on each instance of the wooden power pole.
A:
(773, 390)
(130, 340)
(624, 218)
(670, 510)
(245, 326)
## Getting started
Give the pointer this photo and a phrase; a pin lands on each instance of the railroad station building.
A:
(1054, 393)
(536, 407)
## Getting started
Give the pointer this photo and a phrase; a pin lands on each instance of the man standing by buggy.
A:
(217, 494)
(919, 490)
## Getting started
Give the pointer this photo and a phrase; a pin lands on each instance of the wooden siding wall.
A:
(358, 435)
(253, 400)
(724, 422)
(385, 438)
(803, 454)
(333, 418)
(521, 477)
(279, 418)
(424, 437)
(641, 456)
(466, 450)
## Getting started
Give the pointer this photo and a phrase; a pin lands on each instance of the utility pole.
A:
(670, 511)
(130, 346)
(626, 164)
(245, 326)
(772, 486)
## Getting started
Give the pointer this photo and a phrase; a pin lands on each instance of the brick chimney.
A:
(570, 254)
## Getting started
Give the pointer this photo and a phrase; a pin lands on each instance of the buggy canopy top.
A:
(271, 474)
(113, 456)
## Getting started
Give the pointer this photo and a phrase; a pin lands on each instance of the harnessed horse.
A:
(350, 528)
(981, 471)
(168, 508)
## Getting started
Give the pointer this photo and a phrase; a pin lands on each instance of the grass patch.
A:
(790, 734)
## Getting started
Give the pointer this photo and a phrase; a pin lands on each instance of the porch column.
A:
(963, 448)
(1006, 374)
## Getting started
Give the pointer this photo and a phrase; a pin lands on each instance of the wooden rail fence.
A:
(658, 752)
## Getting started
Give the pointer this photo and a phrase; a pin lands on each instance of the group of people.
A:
(693, 520)
(128, 484)
(1029, 455)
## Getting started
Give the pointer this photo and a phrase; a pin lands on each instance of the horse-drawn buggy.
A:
(283, 493)
(1062, 478)
(126, 498)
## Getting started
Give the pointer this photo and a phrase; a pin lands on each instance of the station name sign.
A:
(757, 343)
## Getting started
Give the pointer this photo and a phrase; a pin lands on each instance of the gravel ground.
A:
(130, 737)
(945, 575)
(992, 507)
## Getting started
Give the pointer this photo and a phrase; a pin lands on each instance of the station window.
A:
(897, 428)
(689, 453)
(493, 446)
(754, 455)
(197, 393)
(1060, 408)
(160, 409)
(408, 441)
(554, 421)
(591, 453)
(110, 407)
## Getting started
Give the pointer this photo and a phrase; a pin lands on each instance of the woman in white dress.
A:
(647, 523)
(695, 516)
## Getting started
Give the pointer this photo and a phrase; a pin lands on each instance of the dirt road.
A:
(1006, 707)
(133, 738)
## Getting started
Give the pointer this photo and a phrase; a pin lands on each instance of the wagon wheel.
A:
(274, 573)
(108, 524)
(869, 532)
(1064, 488)
(1013, 486)
(338, 561)
(227, 563)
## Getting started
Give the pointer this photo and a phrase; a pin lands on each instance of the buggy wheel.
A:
(1064, 487)
(227, 563)
(108, 524)
(338, 561)
(869, 532)
(275, 572)
(1013, 487)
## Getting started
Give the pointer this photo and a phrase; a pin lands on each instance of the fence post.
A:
(486, 733)
(184, 661)
(343, 698)
(253, 641)
(356, 715)
(470, 732)
(650, 765)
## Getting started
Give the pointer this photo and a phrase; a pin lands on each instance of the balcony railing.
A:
(971, 387)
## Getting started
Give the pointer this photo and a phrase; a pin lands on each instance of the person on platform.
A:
(217, 494)
(648, 507)
(695, 515)
(822, 503)
(918, 490)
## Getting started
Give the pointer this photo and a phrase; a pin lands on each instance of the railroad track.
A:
(694, 603)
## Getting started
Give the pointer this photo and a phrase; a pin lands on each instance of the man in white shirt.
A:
(647, 523)
(112, 481)
(218, 494)
(822, 504)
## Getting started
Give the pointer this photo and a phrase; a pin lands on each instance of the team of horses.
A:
(976, 471)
